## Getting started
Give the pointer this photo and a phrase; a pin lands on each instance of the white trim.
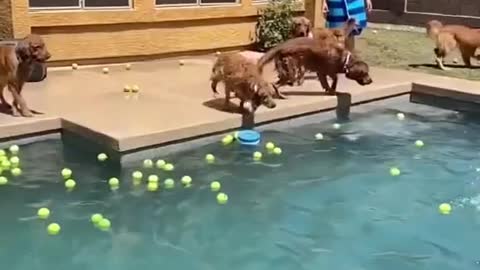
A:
(198, 4)
(81, 6)
(129, 6)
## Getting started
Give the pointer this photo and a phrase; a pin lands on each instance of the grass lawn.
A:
(410, 51)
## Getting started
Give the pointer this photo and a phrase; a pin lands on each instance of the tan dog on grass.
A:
(16, 62)
(240, 76)
(449, 37)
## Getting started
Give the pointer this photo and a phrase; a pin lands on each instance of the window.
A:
(194, 2)
(79, 4)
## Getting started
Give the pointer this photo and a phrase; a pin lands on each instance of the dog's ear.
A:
(349, 26)
(23, 50)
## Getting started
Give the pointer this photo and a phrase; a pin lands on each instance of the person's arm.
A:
(369, 5)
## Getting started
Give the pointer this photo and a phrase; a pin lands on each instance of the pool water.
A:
(329, 204)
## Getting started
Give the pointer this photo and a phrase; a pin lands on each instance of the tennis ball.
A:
(336, 126)
(70, 184)
(113, 182)
(102, 157)
(153, 179)
(270, 146)
(43, 213)
(235, 135)
(74, 66)
(137, 175)
(127, 88)
(217, 53)
(66, 173)
(6, 165)
(104, 224)
(128, 66)
(319, 136)
(169, 183)
(222, 198)
(400, 116)
(181, 62)
(14, 161)
(135, 88)
(16, 172)
(105, 70)
(169, 167)
(53, 229)
(96, 218)
(210, 158)
(419, 143)
(257, 156)
(3, 180)
(394, 171)
(160, 163)
(277, 151)
(215, 186)
(2, 153)
(152, 186)
(228, 139)
(444, 208)
(186, 180)
(148, 163)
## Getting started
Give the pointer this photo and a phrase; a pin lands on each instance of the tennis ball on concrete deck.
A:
(74, 66)
(169, 183)
(152, 186)
(153, 179)
(16, 172)
(104, 224)
(96, 218)
(135, 88)
(215, 186)
(394, 171)
(319, 136)
(336, 126)
(66, 173)
(14, 149)
(127, 88)
(210, 158)
(169, 167)
(128, 66)
(43, 213)
(53, 229)
(186, 181)
(148, 163)
(102, 157)
(444, 208)
(270, 146)
(181, 62)
(160, 163)
(137, 175)
(3, 180)
(400, 116)
(257, 156)
(105, 70)
(14, 161)
(222, 198)
(419, 143)
(217, 53)
(113, 182)
(228, 139)
(277, 151)
(70, 184)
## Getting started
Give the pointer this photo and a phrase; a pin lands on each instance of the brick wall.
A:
(6, 28)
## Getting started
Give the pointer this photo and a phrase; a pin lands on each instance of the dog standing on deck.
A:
(16, 62)
(240, 76)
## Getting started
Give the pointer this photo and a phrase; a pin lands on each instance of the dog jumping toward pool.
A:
(16, 64)
(241, 77)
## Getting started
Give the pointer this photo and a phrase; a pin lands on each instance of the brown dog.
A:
(448, 37)
(326, 59)
(291, 71)
(301, 27)
(15, 68)
(241, 76)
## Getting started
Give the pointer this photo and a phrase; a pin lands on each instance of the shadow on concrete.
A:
(435, 66)
(305, 93)
(219, 105)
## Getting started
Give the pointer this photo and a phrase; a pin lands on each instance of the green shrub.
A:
(274, 23)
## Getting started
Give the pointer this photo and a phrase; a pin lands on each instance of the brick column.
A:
(6, 23)
(313, 11)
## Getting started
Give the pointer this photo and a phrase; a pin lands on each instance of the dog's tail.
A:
(268, 57)
(217, 73)
(445, 42)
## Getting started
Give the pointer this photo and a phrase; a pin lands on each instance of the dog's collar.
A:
(347, 62)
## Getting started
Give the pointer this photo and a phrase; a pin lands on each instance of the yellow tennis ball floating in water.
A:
(152, 186)
(169, 183)
(160, 163)
(394, 171)
(222, 198)
(66, 173)
(148, 163)
(168, 167)
(277, 151)
(114, 183)
(270, 146)
(215, 186)
(14, 149)
(319, 136)
(104, 224)
(419, 143)
(400, 116)
(102, 157)
(96, 218)
(186, 181)
(16, 172)
(14, 161)
(137, 175)
(6, 165)
(70, 184)
(153, 179)
(43, 213)
(444, 208)
(3, 180)
(210, 158)
(228, 139)
(257, 156)
(336, 126)
(53, 229)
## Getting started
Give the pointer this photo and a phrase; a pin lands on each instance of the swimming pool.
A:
(329, 204)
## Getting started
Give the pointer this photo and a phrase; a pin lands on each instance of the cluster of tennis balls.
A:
(257, 155)
(52, 228)
(9, 162)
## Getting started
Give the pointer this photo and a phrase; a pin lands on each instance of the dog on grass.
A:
(326, 59)
(241, 77)
(449, 37)
(16, 64)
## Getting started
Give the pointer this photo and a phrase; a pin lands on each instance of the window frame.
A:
(81, 6)
(198, 4)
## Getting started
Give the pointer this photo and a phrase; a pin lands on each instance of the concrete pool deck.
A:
(175, 102)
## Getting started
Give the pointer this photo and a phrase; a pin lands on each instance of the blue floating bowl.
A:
(248, 137)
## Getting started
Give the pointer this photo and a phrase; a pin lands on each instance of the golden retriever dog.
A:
(325, 59)
(240, 76)
(449, 37)
(301, 27)
(15, 68)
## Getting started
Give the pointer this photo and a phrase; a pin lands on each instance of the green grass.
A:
(409, 51)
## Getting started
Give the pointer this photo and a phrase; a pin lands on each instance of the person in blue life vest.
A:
(337, 12)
